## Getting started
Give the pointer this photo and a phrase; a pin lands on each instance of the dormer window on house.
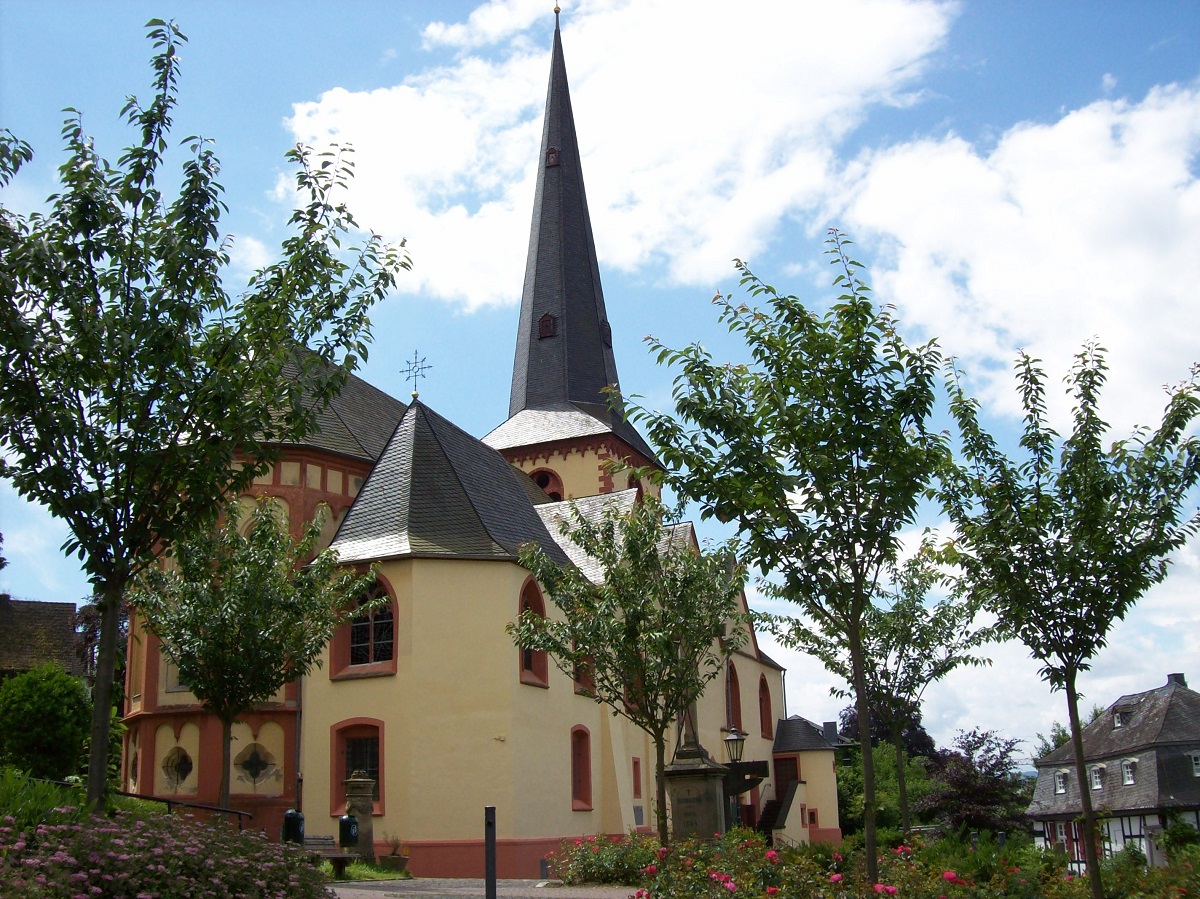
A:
(1096, 776)
(1129, 772)
(1119, 718)
(1196, 764)
(1060, 782)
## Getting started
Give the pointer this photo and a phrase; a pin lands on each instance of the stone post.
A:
(360, 790)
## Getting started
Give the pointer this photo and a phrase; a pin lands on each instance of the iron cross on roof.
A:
(416, 369)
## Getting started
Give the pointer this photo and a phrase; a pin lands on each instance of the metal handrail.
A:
(199, 805)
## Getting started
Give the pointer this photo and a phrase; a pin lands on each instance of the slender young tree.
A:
(241, 615)
(653, 632)
(1061, 545)
(907, 645)
(819, 450)
(138, 391)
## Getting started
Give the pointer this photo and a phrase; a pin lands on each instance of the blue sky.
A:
(1019, 174)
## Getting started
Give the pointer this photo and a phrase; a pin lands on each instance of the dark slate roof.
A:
(357, 422)
(33, 633)
(1159, 732)
(796, 734)
(438, 492)
(575, 363)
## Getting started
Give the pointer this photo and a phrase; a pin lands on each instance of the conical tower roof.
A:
(564, 359)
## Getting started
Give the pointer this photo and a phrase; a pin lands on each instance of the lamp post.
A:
(735, 743)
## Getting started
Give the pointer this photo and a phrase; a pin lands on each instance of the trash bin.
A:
(347, 830)
(293, 826)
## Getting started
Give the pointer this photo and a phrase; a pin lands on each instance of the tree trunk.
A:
(660, 786)
(1090, 855)
(226, 742)
(868, 763)
(102, 692)
(901, 781)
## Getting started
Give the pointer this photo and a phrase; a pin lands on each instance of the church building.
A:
(428, 694)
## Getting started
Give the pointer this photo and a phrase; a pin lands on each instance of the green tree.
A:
(819, 451)
(240, 616)
(888, 813)
(652, 633)
(135, 383)
(907, 645)
(976, 785)
(1061, 546)
(44, 716)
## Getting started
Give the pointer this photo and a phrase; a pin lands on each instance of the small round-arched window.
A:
(550, 483)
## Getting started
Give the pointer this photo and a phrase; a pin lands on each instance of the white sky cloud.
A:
(687, 184)
(1083, 228)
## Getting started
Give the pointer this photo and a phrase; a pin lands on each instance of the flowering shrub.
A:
(602, 859)
(740, 865)
(128, 858)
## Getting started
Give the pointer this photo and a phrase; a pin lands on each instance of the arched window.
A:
(372, 634)
(365, 646)
(581, 769)
(733, 699)
(535, 667)
(765, 719)
(356, 744)
(550, 483)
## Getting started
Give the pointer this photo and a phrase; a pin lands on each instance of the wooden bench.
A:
(326, 850)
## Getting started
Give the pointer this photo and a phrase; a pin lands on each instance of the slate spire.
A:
(564, 349)
(564, 344)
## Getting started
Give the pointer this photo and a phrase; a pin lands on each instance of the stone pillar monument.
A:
(695, 787)
(360, 791)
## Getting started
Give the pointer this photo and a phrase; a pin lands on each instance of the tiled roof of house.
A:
(1156, 732)
(796, 734)
(438, 492)
(33, 633)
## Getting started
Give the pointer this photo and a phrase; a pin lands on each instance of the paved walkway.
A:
(441, 888)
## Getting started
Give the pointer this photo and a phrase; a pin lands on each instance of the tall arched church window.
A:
(535, 666)
(766, 720)
(733, 698)
(581, 769)
(372, 633)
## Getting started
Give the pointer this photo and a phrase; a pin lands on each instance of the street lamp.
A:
(735, 743)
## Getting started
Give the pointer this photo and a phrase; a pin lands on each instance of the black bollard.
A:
(489, 851)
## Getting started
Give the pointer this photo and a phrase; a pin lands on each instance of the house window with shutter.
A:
(1060, 782)
(1096, 776)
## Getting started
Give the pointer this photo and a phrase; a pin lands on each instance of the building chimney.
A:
(829, 731)
(1177, 679)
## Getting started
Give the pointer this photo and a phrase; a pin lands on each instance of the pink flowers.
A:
(662, 851)
(772, 856)
(650, 870)
(884, 888)
(953, 878)
(835, 878)
(771, 891)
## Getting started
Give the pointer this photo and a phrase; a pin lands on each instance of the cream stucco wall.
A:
(460, 731)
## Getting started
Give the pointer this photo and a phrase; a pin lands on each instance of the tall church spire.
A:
(564, 344)
(564, 357)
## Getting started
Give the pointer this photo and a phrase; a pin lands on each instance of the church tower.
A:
(562, 429)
